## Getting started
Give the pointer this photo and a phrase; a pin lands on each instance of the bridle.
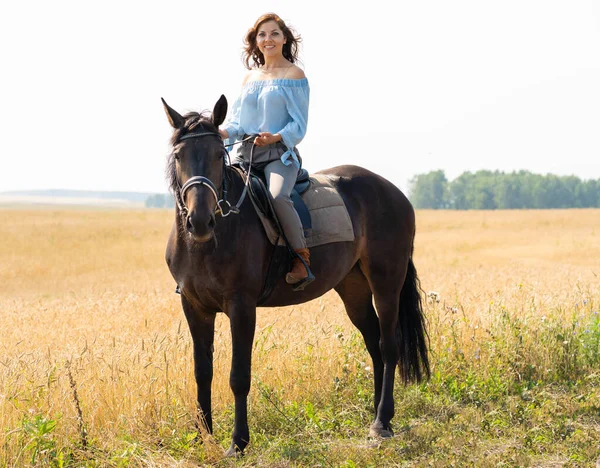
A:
(205, 181)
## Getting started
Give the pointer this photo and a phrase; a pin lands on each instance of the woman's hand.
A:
(266, 138)
(224, 134)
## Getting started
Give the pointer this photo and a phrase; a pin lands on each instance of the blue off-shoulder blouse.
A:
(274, 106)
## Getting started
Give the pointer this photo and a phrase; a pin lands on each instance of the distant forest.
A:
(483, 190)
(160, 201)
(487, 190)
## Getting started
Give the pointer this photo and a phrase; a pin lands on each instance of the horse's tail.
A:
(411, 333)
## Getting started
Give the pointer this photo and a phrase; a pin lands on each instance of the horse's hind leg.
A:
(386, 284)
(358, 300)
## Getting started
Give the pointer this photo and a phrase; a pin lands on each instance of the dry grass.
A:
(90, 292)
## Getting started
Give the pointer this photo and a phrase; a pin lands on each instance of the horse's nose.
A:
(212, 221)
(199, 226)
(189, 225)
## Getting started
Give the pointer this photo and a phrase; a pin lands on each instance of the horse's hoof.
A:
(377, 430)
(233, 452)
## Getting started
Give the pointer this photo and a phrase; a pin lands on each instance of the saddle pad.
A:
(330, 219)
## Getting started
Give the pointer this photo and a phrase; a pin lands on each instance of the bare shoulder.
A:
(295, 73)
(250, 76)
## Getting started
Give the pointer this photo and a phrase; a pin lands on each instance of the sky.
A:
(399, 87)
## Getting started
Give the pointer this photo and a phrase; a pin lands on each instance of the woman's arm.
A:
(297, 100)
(232, 128)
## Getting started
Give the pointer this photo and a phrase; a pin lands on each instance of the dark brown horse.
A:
(220, 263)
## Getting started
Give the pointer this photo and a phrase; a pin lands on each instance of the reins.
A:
(205, 181)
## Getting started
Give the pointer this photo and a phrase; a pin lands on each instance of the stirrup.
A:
(300, 285)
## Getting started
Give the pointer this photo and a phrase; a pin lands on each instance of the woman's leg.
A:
(281, 180)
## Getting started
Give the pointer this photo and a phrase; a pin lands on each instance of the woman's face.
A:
(270, 39)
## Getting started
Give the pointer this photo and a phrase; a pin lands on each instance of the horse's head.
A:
(196, 167)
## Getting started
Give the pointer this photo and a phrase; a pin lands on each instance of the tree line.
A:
(160, 201)
(491, 190)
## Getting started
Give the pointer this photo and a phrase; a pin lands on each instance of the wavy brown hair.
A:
(252, 52)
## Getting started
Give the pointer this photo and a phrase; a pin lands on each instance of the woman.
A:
(273, 105)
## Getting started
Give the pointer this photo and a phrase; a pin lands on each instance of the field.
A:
(96, 363)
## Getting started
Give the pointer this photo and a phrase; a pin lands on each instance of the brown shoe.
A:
(298, 271)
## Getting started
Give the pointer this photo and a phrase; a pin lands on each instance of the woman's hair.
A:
(252, 52)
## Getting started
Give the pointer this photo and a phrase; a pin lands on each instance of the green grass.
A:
(524, 392)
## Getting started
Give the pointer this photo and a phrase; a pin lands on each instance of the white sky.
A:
(400, 87)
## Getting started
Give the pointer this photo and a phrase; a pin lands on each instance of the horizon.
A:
(405, 190)
(168, 192)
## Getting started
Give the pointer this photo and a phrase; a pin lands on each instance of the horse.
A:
(219, 255)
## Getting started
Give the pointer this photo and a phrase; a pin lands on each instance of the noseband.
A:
(201, 180)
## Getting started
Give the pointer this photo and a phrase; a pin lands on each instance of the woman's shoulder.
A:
(295, 73)
(250, 76)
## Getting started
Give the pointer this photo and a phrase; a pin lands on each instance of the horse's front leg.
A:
(202, 329)
(242, 317)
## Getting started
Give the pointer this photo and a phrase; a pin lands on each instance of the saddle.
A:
(322, 211)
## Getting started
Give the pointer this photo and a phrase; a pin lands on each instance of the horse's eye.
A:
(176, 156)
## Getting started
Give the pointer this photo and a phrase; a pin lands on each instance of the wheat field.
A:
(96, 364)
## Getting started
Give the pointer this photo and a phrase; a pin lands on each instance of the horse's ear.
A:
(175, 119)
(220, 111)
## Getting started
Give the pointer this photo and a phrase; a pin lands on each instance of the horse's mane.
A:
(193, 121)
